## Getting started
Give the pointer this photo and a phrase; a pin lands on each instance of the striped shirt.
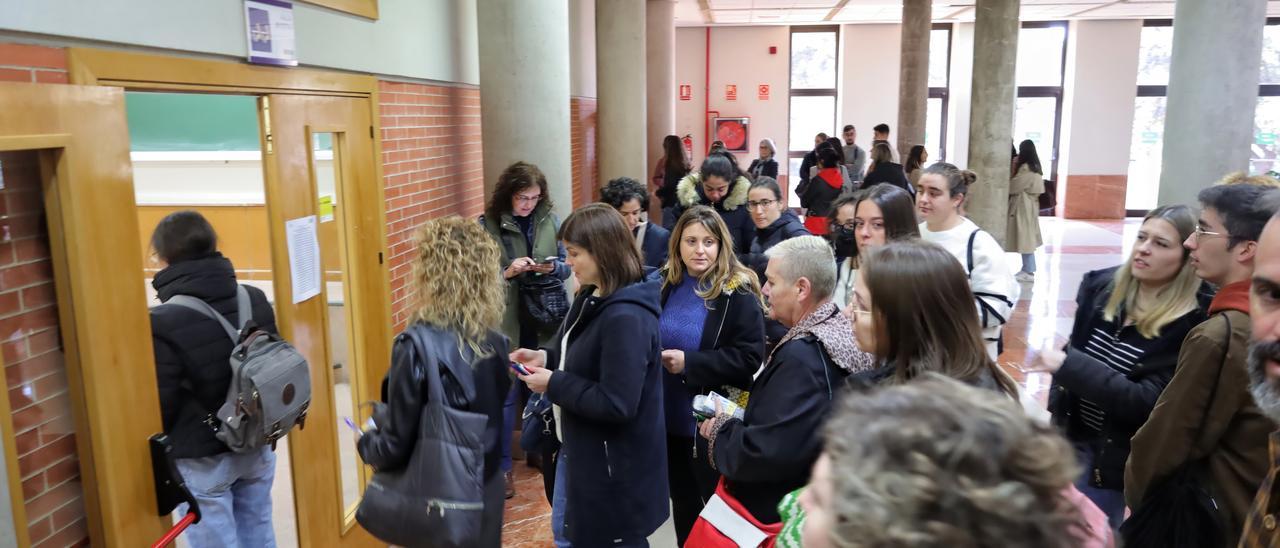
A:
(1106, 348)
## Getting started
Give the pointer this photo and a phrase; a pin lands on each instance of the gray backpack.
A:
(270, 387)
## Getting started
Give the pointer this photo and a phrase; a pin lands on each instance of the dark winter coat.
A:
(655, 245)
(193, 351)
(509, 236)
(404, 390)
(771, 451)
(766, 168)
(732, 209)
(609, 390)
(787, 226)
(1127, 399)
(888, 172)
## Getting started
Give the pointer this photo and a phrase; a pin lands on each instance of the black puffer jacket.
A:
(193, 352)
(787, 226)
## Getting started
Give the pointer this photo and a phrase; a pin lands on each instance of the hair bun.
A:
(969, 176)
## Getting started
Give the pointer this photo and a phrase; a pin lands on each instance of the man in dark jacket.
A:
(193, 372)
(1205, 416)
(810, 160)
(770, 451)
(1264, 377)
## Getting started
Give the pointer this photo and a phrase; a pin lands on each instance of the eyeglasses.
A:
(762, 203)
(1202, 233)
(528, 199)
(851, 225)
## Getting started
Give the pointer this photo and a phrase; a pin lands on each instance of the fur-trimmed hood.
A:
(689, 192)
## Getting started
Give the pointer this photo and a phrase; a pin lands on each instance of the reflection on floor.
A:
(1041, 320)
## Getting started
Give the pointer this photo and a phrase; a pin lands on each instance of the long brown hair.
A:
(517, 177)
(600, 230)
(925, 317)
(673, 154)
(726, 274)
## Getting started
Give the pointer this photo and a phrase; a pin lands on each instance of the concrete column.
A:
(1213, 91)
(620, 80)
(995, 54)
(913, 70)
(524, 91)
(660, 81)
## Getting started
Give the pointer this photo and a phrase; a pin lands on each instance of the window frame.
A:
(1055, 92)
(943, 92)
(833, 92)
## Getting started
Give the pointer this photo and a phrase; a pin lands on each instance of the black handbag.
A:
(538, 431)
(542, 297)
(1178, 512)
(437, 498)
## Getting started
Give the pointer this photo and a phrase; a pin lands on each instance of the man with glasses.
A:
(1206, 418)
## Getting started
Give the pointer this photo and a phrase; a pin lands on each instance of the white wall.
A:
(422, 39)
(582, 48)
(210, 178)
(869, 59)
(739, 55)
(1101, 85)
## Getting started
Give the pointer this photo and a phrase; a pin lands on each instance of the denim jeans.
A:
(234, 494)
(559, 498)
(1029, 262)
(1110, 501)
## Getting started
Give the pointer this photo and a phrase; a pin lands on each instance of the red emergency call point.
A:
(773, 50)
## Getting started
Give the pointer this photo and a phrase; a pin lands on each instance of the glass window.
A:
(1145, 151)
(813, 60)
(1265, 155)
(933, 128)
(1155, 50)
(810, 116)
(1034, 118)
(1040, 56)
(1270, 55)
(938, 48)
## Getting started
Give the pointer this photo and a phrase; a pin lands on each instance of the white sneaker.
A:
(1025, 277)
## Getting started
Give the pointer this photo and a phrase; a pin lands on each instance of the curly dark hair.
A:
(622, 190)
(517, 177)
(938, 463)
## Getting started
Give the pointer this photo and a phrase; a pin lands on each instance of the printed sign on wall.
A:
(762, 92)
(269, 29)
(686, 92)
(731, 92)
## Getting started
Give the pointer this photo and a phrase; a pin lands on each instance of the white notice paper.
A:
(304, 257)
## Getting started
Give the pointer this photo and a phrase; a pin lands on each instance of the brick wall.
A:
(586, 170)
(431, 168)
(23, 63)
(35, 372)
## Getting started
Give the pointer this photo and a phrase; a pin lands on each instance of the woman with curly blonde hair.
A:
(939, 463)
(457, 308)
(713, 337)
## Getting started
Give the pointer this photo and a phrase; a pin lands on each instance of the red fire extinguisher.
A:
(687, 141)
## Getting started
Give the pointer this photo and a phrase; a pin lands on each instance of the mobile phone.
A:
(352, 425)
(520, 369)
(547, 260)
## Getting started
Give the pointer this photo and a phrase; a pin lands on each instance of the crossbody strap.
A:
(1213, 393)
(244, 311)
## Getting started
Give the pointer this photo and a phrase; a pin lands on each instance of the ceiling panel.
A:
(1273, 8)
(742, 16)
(730, 4)
(1040, 12)
(1131, 10)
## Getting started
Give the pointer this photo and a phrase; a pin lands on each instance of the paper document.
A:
(304, 257)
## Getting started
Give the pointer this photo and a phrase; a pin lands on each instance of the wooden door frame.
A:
(87, 182)
(151, 72)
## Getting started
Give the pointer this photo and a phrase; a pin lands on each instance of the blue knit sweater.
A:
(683, 317)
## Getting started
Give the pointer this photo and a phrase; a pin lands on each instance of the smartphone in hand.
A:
(520, 369)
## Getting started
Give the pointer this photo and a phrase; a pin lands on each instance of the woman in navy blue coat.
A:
(612, 471)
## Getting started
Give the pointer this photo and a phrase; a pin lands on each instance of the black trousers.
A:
(691, 480)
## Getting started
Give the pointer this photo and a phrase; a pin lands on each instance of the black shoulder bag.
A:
(542, 296)
(1178, 512)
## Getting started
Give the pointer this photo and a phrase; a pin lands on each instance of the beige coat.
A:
(1023, 234)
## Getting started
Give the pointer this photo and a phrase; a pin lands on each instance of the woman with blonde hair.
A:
(456, 307)
(713, 338)
(1129, 326)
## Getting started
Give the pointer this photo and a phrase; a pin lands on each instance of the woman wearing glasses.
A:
(1129, 326)
(775, 223)
(519, 219)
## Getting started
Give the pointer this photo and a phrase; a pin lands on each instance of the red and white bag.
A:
(725, 523)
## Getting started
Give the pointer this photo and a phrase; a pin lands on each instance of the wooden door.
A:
(319, 160)
(79, 138)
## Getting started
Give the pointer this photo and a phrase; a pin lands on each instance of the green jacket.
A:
(507, 234)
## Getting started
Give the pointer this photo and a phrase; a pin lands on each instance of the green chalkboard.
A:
(191, 122)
